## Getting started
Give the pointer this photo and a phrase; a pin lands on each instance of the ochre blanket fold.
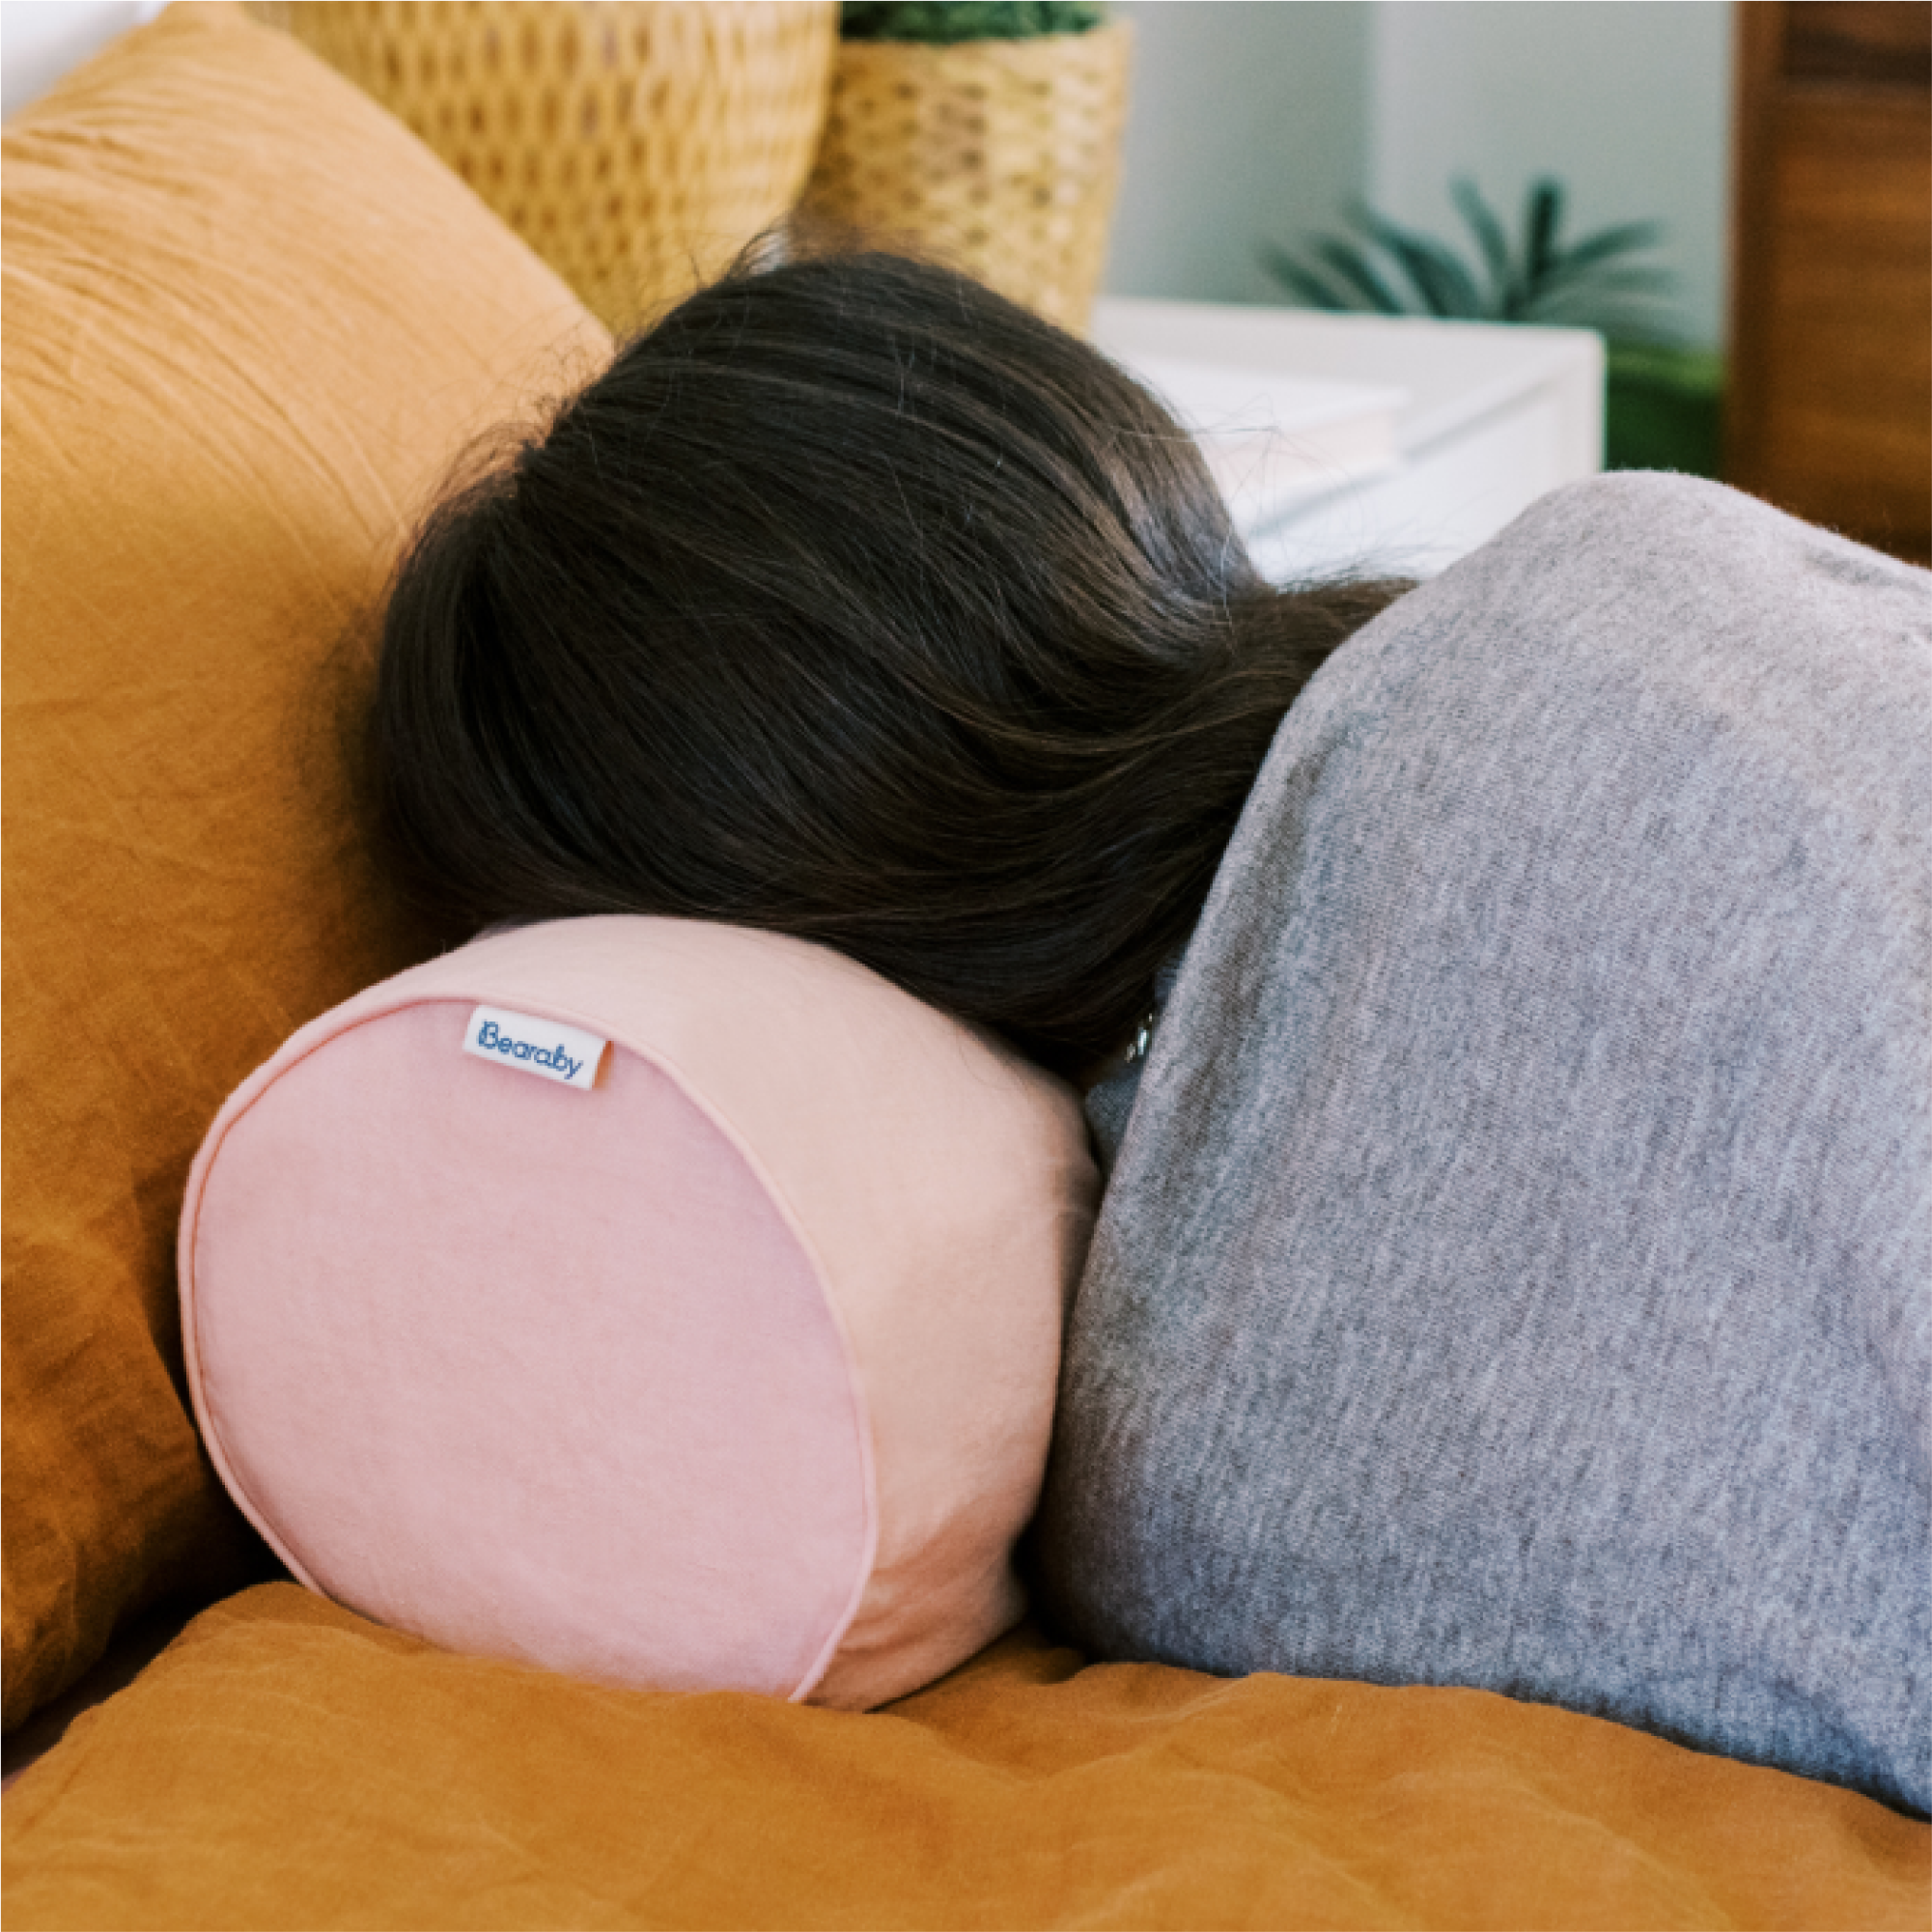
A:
(287, 1764)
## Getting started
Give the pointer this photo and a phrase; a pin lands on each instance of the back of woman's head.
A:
(852, 601)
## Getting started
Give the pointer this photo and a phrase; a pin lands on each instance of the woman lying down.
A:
(1505, 1005)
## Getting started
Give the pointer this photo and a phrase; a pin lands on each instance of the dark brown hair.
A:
(855, 601)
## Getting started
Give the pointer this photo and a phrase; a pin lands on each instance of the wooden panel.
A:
(1830, 393)
(1874, 43)
(1757, 42)
(1849, 384)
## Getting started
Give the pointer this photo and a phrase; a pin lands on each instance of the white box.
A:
(1493, 416)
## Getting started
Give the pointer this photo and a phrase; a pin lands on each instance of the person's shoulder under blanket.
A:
(1516, 1269)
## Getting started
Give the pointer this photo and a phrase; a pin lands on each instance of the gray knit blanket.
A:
(1516, 1266)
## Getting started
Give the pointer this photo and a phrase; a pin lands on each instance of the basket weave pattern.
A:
(1002, 157)
(634, 144)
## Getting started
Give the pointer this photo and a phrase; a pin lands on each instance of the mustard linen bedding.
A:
(285, 1763)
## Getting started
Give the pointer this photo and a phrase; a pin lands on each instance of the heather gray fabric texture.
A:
(1517, 1264)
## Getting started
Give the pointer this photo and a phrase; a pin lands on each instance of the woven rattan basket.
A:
(1000, 157)
(634, 146)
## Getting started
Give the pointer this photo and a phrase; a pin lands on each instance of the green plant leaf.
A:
(1593, 284)
(1487, 228)
(1624, 239)
(1445, 286)
(1300, 280)
(1595, 306)
(943, 22)
(1541, 218)
(1695, 370)
(1591, 292)
(1356, 271)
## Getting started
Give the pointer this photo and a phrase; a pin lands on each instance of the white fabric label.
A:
(547, 1048)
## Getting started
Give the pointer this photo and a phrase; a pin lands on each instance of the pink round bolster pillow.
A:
(661, 1302)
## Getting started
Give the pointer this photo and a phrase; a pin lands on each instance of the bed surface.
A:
(286, 1763)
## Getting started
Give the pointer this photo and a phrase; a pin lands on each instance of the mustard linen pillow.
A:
(249, 319)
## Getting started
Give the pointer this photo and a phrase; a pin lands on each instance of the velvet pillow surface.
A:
(249, 320)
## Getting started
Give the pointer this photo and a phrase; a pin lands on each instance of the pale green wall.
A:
(1247, 120)
(1262, 117)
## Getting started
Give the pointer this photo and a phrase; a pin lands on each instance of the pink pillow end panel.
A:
(660, 1302)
